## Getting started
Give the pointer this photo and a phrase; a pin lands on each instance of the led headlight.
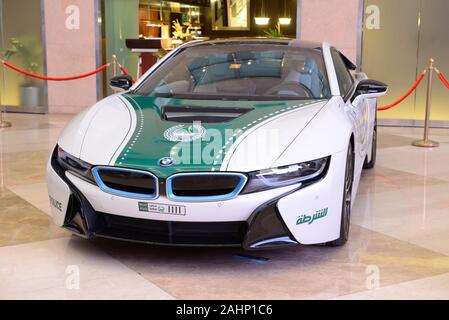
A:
(304, 172)
(78, 167)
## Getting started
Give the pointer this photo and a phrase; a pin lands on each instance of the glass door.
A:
(389, 51)
(21, 27)
(399, 38)
(120, 21)
(434, 43)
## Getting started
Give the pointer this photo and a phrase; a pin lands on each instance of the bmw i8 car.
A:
(256, 143)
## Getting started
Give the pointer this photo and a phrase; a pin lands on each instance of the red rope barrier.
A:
(442, 78)
(415, 85)
(103, 67)
(125, 72)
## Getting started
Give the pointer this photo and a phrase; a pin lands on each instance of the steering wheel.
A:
(298, 88)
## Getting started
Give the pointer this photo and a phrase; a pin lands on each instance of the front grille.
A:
(170, 232)
(126, 182)
(205, 186)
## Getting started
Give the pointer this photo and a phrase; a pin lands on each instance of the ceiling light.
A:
(262, 20)
(285, 21)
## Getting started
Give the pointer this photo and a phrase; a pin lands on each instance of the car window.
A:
(233, 71)
(344, 77)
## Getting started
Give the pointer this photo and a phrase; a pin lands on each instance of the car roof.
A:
(304, 44)
(261, 40)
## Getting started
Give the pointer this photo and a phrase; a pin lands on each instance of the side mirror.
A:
(121, 83)
(368, 89)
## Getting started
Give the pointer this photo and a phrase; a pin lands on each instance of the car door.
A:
(359, 113)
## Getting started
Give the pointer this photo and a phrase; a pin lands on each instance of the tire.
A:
(370, 164)
(347, 200)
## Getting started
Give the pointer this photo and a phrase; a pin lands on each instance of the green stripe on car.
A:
(148, 143)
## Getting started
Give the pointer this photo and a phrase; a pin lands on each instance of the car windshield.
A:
(240, 71)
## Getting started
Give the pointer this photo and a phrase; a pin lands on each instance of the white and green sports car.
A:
(246, 142)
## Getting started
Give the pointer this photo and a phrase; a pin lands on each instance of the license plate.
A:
(162, 208)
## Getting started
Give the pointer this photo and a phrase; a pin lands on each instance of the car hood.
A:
(147, 132)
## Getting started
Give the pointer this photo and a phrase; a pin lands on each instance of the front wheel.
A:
(347, 200)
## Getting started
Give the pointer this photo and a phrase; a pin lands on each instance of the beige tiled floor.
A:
(293, 273)
(399, 246)
(422, 289)
(44, 270)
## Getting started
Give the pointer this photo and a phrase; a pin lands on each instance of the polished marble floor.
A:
(398, 248)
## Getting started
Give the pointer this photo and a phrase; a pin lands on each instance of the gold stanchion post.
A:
(3, 123)
(114, 65)
(426, 143)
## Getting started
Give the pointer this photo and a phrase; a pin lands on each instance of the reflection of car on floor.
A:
(250, 142)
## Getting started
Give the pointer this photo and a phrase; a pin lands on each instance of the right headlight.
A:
(304, 172)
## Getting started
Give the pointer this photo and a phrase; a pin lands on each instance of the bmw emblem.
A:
(166, 162)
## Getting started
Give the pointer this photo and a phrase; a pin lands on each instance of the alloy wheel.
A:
(348, 192)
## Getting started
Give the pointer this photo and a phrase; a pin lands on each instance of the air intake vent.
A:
(172, 232)
(126, 182)
(188, 114)
(205, 186)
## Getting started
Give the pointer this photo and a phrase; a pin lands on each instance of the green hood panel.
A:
(150, 141)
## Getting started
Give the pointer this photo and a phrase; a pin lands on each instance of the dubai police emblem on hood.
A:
(185, 132)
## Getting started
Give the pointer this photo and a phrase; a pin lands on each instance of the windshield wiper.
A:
(164, 94)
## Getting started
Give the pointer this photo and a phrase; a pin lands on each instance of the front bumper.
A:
(252, 221)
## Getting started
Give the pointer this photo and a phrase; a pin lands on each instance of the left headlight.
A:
(304, 172)
(70, 163)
